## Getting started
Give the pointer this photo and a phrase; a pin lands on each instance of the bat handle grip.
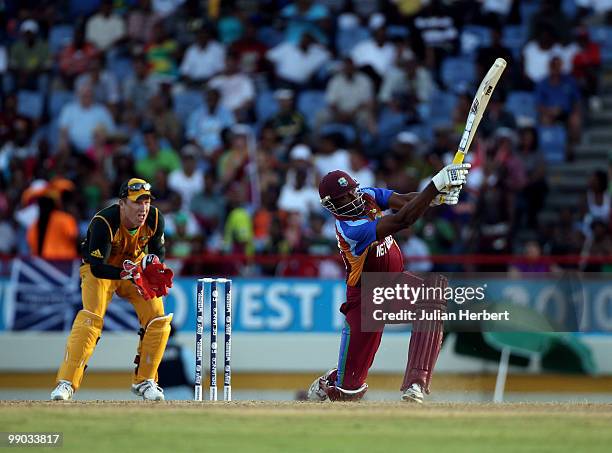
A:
(458, 159)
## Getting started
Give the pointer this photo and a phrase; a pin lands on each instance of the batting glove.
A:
(450, 177)
(449, 198)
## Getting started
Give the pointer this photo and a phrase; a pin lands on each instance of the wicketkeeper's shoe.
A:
(413, 394)
(317, 392)
(63, 391)
(149, 390)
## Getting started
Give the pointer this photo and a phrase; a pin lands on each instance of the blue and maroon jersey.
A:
(360, 249)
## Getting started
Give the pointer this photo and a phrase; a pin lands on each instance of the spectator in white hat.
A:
(29, 56)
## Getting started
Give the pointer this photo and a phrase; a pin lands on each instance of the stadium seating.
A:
(473, 37)
(310, 103)
(30, 104)
(458, 71)
(602, 35)
(441, 108)
(348, 38)
(552, 140)
(185, 102)
(522, 104)
(514, 37)
(265, 106)
(57, 100)
(59, 37)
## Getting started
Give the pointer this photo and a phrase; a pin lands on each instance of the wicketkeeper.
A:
(366, 244)
(122, 254)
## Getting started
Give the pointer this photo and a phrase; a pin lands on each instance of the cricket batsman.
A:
(122, 254)
(366, 244)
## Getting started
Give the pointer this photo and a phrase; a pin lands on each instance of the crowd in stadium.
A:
(233, 110)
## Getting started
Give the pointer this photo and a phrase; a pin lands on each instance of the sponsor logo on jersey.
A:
(96, 254)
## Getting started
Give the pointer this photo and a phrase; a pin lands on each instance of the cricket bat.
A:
(479, 104)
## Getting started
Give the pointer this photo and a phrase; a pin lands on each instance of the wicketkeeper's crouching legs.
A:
(426, 339)
(86, 331)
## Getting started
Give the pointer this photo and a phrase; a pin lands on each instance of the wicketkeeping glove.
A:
(156, 275)
(450, 177)
(133, 272)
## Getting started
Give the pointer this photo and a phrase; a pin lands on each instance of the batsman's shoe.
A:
(149, 390)
(413, 394)
(317, 392)
(63, 391)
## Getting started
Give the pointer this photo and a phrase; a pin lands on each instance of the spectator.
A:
(436, 29)
(331, 156)
(295, 65)
(531, 199)
(137, 89)
(299, 195)
(558, 100)
(76, 58)
(289, 124)
(409, 81)
(188, 180)
(55, 234)
(236, 88)
(205, 124)
(497, 116)
(350, 99)
(158, 158)
(537, 54)
(532, 251)
(11, 121)
(105, 28)
(407, 167)
(486, 56)
(29, 57)
(565, 237)
(597, 245)
(551, 15)
(251, 51)
(182, 235)
(415, 247)
(596, 205)
(141, 22)
(238, 231)
(233, 165)
(103, 82)
(79, 119)
(493, 219)
(208, 205)
(203, 59)
(161, 52)
(359, 168)
(164, 119)
(304, 16)
(586, 66)
(375, 56)
(166, 199)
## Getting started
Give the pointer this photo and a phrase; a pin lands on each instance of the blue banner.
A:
(40, 296)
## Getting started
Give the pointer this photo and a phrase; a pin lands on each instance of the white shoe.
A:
(63, 391)
(413, 394)
(149, 390)
(316, 392)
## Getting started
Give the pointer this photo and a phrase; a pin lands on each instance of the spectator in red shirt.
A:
(586, 64)
(76, 58)
(251, 51)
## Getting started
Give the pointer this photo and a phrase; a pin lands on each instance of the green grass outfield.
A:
(288, 427)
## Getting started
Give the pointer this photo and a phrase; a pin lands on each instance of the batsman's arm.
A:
(398, 200)
(99, 250)
(157, 244)
(408, 213)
